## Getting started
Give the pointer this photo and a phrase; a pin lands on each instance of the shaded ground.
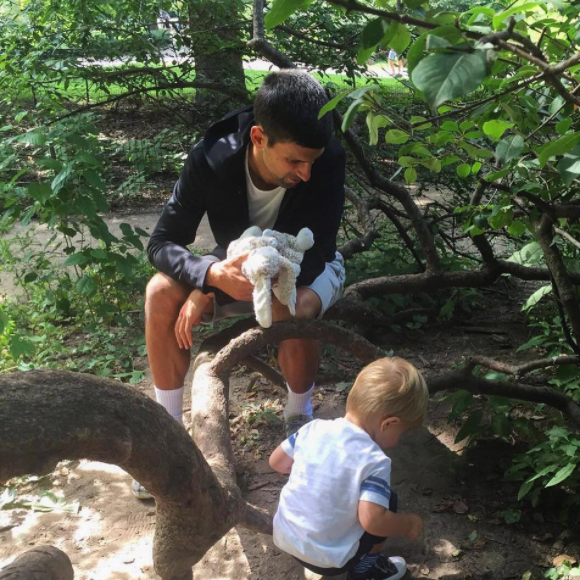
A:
(460, 494)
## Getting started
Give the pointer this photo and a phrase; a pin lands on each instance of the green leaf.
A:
(77, 259)
(462, 402)
(374, 123)
(535, 341)
(501, 425)
(530, 255)
(32, 138)
(537, 296)
(400, 40)
(558, 147)
(496, 128)
(86, 286)
(423, 126)
(410, 175)
(499, 18)
(543, 472)
(396, 137)
(445, 76)
(432, 164)
(20, 346)
(281, 9)
(373, 32)
(561, 475)
(509, 148)
(350, 114)
(4, 320)
(569, 165)
(463, 170)
(516, 228)
(415, 3)
(524, 489)
(415, 53)
(407, 161)
(40, 192)
(470, 427)
(563, 125)
(364, 54)
(332, 103)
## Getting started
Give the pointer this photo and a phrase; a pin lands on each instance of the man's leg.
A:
(299, 358)
(169, 363)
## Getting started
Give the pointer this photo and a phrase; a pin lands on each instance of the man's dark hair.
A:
(287, 107)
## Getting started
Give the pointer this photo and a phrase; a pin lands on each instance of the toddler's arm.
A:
(377, 520)
(281, 461)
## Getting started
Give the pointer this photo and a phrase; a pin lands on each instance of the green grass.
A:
(83, 92)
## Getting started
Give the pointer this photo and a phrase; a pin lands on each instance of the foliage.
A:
(501, 116)
(62, 186)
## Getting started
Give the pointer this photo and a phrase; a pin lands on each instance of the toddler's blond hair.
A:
(390, 387)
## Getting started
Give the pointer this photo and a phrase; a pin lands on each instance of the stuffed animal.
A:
(273, 255)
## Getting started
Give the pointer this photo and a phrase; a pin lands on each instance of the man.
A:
(275, 165)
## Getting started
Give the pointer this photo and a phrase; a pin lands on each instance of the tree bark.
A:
(47, 416)
(216, 45)
(40, 563)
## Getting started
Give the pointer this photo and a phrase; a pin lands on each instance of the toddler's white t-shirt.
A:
(336, 464)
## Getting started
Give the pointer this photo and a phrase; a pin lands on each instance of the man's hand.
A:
(415, 526)
(227, 276)
(189, 315)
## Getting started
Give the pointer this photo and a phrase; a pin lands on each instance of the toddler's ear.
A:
(389, 422)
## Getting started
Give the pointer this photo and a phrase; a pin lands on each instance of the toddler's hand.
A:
(415, 527)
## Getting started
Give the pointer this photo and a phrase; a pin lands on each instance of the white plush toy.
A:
(273, 254)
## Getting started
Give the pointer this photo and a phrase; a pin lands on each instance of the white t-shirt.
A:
(263, 205)
(336, 464)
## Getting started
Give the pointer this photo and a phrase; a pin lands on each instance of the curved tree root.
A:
(48, 416)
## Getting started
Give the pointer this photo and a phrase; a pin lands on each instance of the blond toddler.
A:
(337, 509)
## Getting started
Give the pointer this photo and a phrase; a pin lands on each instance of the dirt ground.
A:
(459, 493)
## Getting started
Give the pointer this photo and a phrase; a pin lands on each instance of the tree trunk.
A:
(216, 45)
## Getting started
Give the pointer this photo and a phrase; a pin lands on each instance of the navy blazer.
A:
(213, 181)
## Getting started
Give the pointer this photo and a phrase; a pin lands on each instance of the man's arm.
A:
(324, 214)
(177, 226)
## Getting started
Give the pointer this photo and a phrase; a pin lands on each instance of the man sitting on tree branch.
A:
(274, 165)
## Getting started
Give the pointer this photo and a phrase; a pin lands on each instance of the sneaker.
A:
(293, 422)
(385, 568)
(139, 491)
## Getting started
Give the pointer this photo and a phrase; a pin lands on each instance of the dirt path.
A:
(145, 220)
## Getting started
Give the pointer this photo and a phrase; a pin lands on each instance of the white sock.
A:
(299, 403)
(172, 401)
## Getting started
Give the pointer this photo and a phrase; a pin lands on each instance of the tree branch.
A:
(464, 380)
(524, 368)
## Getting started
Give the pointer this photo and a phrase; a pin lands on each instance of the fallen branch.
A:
(524, 368)
(464, 380)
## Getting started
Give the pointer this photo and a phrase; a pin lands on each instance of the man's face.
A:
(283, 164)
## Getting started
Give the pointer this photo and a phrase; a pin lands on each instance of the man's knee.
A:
(164, 295)
(308, 304)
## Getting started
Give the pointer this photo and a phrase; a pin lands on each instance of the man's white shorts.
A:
(329, 286)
